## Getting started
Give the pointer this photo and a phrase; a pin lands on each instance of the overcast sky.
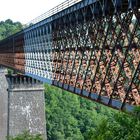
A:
(25, 10)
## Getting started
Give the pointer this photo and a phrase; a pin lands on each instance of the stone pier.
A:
(22, 106)
(3, 104)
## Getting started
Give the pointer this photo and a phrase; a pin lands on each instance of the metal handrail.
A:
(53, 11)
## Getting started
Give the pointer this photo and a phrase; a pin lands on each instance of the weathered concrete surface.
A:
(26, 106)
(3, 104)
(22, 106)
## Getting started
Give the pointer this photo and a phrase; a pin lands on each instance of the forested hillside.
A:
(9, 27)
(70, 117)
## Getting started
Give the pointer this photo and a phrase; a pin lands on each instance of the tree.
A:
(26, 136)
(8, 27)
(122, 126)
(70, 117)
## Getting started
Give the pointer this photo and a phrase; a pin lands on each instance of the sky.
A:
(25, 10)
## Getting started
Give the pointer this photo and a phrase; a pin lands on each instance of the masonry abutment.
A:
(22, 105)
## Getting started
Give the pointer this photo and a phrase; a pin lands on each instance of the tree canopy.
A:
(8, 27)
(26, 136)
(70, 117)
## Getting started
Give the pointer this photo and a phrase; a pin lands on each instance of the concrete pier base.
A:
(3, 104)
(22, 106)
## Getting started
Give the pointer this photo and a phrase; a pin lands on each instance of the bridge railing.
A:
(53, 11)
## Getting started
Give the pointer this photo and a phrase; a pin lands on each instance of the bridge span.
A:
(88, 47)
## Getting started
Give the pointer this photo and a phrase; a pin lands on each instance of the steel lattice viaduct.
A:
(90, 48)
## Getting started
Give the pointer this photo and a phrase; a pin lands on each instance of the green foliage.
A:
(70, 117)
(8, 28)
(10, 71)
(137, 112)
(121, 127)
(26, 136)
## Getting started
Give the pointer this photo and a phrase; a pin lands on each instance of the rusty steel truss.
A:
(91, 48)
